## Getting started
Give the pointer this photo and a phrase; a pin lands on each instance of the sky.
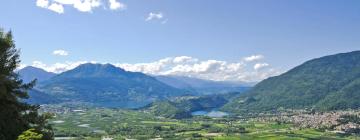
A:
(224, 40)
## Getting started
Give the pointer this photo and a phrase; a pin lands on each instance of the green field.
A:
(128, 124)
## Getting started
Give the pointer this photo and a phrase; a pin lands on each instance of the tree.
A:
(15, 115)
(30, 134)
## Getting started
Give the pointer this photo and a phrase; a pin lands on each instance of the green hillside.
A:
(326, 83)
(107, 86)
(181, 107)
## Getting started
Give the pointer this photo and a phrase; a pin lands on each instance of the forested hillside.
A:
(326, 83)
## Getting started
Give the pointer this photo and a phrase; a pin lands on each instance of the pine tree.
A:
(16, 116)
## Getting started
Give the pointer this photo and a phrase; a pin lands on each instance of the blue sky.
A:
(284, 32)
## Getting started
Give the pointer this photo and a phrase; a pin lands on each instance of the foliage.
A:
(30, 134)
(167, 109)
(181, 107)
(16, 116)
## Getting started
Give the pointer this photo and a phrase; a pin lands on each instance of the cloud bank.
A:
(217, 70)
(81, 5)
(243, 70)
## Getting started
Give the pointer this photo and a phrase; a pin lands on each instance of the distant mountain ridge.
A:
(30, 73)
(204, 87)
(110, 86)
(326, 83)
(106, 85)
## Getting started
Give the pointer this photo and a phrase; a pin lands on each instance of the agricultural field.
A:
(97, 123)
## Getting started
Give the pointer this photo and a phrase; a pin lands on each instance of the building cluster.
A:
(317, 120)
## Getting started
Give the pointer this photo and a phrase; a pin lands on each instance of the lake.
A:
(210, 113)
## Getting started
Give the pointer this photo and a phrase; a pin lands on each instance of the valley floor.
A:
(102, 123)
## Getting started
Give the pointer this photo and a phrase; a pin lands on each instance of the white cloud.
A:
(253, 58)
(60, 52)
(260, 66)
(153, 15)
(86, 5)
(186, 66)
(58, 8)
(115, 5)
(80, 5)
(59, 67)
(55, 7)
(39, 64)
(21, 66)
(184, 59)
(207, 69)
(42, 3)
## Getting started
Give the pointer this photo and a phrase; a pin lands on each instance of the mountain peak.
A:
(30, 73)
(96, 70)
(32, 68)
(97, 66)
(107, 85)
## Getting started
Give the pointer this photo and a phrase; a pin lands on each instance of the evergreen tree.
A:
(15, 115)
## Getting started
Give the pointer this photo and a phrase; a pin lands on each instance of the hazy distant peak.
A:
(97, 66)
(96, 70)
(30, 73)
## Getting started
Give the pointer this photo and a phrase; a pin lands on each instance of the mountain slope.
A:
(37, 97)
(30, 73)
(203, 87)
(107, 85)
(330, 82)
(181, 107)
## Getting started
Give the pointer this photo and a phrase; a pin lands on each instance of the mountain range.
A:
(204, 87)
(109, 86)
(326, 83)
